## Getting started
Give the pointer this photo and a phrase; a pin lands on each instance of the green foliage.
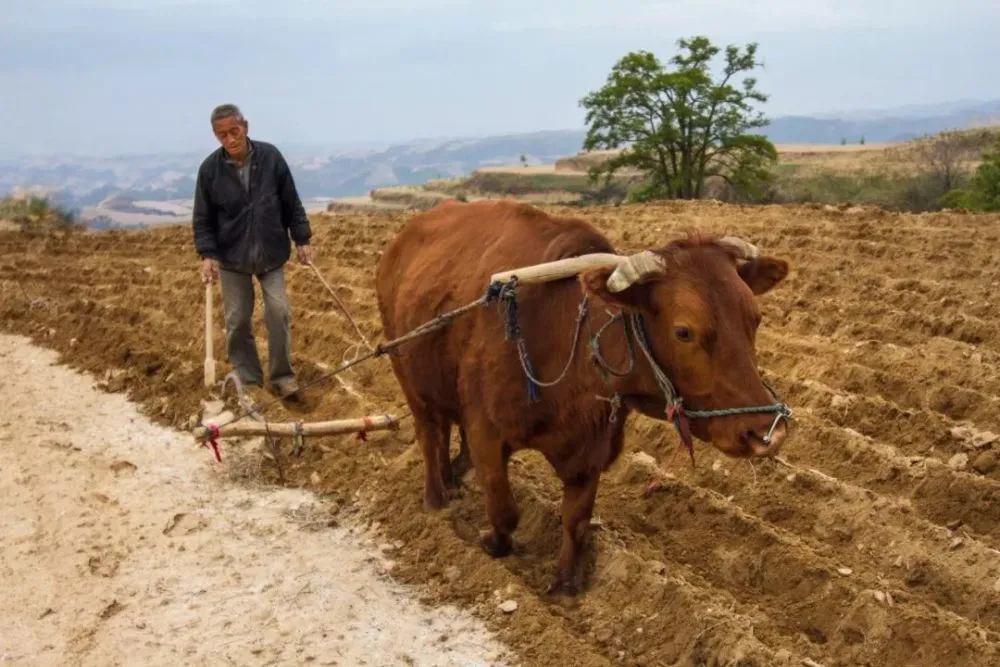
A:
(36, 213)
(679, 126)
(983, 192)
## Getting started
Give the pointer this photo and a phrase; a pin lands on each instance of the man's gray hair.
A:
(225, 111)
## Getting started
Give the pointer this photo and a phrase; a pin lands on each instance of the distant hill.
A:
(96, 186)
(81, 183)
(893, 127)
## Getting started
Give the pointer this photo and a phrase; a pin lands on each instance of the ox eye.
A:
(683, 334)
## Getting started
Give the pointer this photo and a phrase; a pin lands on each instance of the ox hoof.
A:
(495, 545)
(435, 501)
(562, 586)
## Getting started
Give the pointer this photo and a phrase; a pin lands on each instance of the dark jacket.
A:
(248, 231)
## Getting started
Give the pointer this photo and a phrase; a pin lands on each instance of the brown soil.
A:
(878, 545)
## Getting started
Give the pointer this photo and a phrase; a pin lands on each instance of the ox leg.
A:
(577, 508)
(433, 435)
(454, 470)
(490, 456)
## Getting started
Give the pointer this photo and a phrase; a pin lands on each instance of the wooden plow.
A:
(217, 423)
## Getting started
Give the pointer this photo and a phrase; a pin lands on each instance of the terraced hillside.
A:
(875, 543)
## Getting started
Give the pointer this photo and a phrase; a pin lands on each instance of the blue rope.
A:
(506, 295)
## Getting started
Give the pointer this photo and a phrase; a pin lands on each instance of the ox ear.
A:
(595, 284)
(763, 273)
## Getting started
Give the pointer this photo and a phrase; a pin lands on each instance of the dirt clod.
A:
(878, 339)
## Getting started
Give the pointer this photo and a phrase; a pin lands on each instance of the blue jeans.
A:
(238, 305)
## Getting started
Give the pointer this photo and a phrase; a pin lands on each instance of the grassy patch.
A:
(36, 214)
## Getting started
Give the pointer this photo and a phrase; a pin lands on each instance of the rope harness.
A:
(676, 413)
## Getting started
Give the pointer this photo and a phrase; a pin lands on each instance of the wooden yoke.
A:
(559, 269)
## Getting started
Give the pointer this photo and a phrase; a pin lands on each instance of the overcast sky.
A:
(137, 76)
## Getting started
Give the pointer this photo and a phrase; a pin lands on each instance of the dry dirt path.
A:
(122, 545)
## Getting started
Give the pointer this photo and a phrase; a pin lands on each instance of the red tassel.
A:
(213, 441)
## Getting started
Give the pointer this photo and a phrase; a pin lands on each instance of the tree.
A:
(944, 154)
(680, 127)
(983, 193)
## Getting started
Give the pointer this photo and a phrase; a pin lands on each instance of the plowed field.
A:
(877, 544)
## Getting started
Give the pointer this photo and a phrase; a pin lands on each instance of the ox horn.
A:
(739, 248)
(634, 268)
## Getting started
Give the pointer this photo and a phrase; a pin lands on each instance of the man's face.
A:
(232, 134)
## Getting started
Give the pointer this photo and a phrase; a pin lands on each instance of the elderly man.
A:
(245, 208)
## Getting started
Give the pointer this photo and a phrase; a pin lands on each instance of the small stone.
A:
(452, 573)
(956, 543)
(984, 439)
(985, 463)
(508, 606)
(996, 586)
(657, 567)
(880, 596)
(960, 432)
(315, 478)
(958, 461)
(845, 571)
(212, 408)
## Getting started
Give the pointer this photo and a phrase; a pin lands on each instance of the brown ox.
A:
(697, 312)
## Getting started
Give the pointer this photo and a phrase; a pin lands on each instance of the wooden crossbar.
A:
(335, 427)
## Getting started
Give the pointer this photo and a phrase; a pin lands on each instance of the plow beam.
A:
(288, 429)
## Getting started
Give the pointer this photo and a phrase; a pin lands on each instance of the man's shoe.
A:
(253, 396)
(286, 388)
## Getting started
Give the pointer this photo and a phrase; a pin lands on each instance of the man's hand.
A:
(209, 270)
(305, 253)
